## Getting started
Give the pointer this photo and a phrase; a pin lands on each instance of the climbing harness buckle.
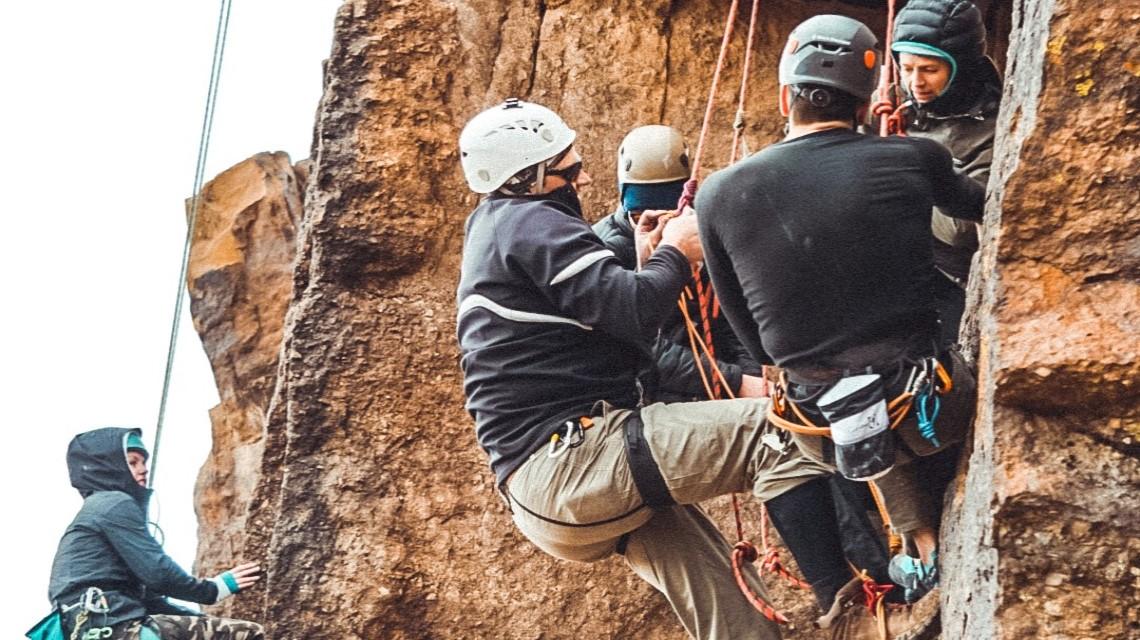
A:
(94, 601)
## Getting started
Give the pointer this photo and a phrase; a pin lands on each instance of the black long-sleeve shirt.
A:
(549, 322)
(821, 244)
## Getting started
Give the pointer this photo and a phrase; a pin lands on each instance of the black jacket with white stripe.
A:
(549, 322)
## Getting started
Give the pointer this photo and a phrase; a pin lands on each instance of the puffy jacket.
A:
(549, 322)
(676, 376)
(962, 119)
(969, 135)
(108, 546)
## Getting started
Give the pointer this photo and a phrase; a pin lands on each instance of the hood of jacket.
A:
(97, 461)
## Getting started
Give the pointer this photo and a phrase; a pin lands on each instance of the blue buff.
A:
(661, 195)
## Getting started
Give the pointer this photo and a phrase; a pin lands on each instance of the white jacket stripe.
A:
(579, 265)
(478, 301)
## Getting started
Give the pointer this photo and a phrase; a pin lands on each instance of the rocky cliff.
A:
(343, 457)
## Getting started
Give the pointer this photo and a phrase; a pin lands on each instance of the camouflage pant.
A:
(191, 628)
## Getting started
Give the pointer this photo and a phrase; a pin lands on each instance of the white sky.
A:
(100, 115)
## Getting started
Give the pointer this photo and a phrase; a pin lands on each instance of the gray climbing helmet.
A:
(832, 51)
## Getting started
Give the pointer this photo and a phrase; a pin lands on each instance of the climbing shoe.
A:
(858, 615)
(916, 578)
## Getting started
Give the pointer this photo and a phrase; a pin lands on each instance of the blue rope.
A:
(926, 418)
(199, 171)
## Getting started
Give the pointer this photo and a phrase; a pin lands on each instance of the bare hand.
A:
(647, 235)
(246, 574)
(681, 232)
(752, 387)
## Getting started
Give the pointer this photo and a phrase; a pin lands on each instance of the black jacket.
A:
(549, 322)
(108, 546)
(677, 377)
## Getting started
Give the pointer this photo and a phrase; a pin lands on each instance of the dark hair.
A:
(811, 103)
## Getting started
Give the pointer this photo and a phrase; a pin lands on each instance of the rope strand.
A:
(199, 171)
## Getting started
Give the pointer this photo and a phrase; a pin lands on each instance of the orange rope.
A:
(728, 27)
(743, 553)
(894, 540)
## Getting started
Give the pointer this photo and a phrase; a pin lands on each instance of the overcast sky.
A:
(102, 109)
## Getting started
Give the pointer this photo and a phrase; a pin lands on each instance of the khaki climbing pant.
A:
(581, 504)
(202, 627)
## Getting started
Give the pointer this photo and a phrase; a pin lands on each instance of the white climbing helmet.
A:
(505, 140)
(651, 154)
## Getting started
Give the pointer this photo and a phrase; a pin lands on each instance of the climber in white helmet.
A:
(551, 331)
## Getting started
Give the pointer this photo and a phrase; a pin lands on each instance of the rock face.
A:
(240, 280)
(1044, 536)
(342, 451)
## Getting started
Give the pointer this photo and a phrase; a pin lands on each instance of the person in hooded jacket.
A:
(954, 92)
(110, 576)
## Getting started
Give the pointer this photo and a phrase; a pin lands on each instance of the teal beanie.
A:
(134, 441)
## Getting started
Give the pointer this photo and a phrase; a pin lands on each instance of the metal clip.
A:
(775, 442)
(574, 435)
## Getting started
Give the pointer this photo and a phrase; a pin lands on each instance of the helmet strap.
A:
(539, 179)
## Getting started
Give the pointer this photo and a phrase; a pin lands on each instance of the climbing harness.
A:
(927, 378)
(92, 602)
(199, 172)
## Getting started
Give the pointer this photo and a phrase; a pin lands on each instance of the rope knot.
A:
(688, 195)
(873, 592)
(747, 551)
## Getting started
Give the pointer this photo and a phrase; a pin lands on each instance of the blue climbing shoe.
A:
(916, 578)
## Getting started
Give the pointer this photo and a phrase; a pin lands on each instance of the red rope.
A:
(892, 121)
(772, 562)
(873, 592)
(744, 552)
